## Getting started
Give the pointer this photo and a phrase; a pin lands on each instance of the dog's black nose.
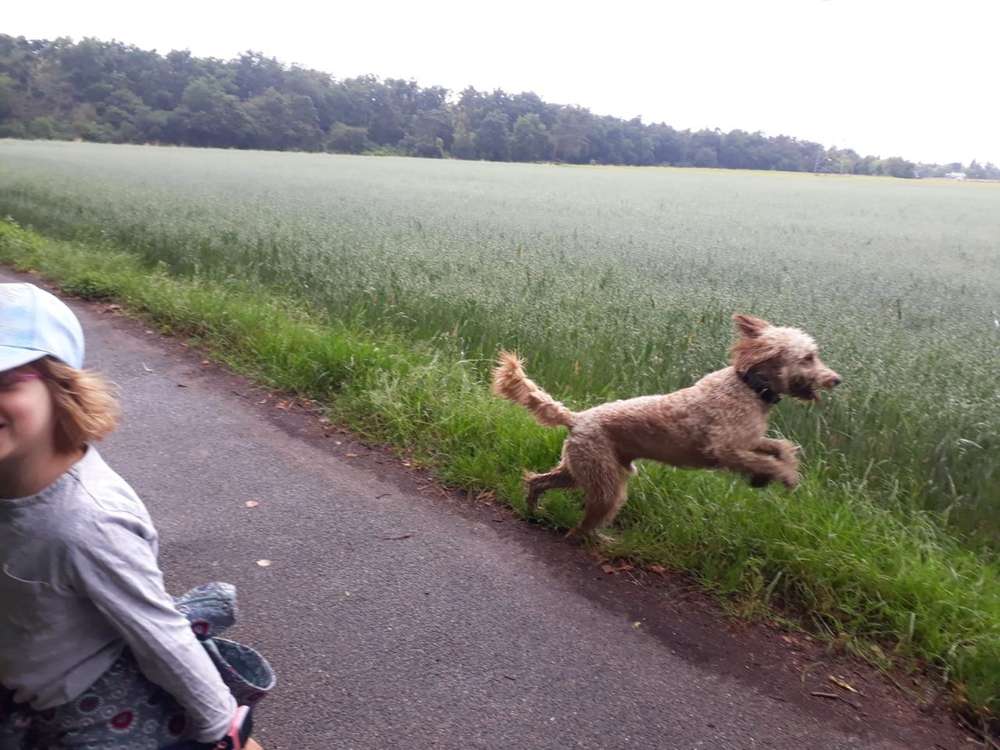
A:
(836, 381)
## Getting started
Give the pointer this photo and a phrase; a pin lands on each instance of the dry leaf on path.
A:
(840, 683)
(264, 563)
(251, 503)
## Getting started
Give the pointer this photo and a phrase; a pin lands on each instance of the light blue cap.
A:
(35, 324)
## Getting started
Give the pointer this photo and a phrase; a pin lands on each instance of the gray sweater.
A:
(79, 582)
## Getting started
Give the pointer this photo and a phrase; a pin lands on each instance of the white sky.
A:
(916, 78)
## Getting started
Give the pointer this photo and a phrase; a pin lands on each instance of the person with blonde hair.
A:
(93, 651)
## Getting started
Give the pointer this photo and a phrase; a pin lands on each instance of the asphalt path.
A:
(400, 616)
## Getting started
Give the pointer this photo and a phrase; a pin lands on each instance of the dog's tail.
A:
(510, 382)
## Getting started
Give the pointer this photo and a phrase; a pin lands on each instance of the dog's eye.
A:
(809, 358)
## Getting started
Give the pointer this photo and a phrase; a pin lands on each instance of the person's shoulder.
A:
(90, 514)
(102, 496)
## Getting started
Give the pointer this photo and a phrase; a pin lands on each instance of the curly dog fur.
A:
(717, 423)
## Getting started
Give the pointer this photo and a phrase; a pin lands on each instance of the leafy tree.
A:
(493, 138)
(977, 171)
(42, 128)
(283, 121)
(705, 146)
(152, 125)
(385, 120)
(569, 135)
(668, 145)
(705, 156)
(990, 171)
(84, 64)
(896, 166)
(351, 100)
(426, 147)
(347, 139)
(433, 125)
(253, 74)
(530, 141)
(463, 144)
(6, 97)
(208, 116)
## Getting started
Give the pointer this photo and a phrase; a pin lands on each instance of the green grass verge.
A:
(896, 587)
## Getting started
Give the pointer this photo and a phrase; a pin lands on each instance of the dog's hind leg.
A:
(604, 483)
(535, 484)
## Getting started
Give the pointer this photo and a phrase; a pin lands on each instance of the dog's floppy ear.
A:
(748, 353)
(752, 349)
(750, 326)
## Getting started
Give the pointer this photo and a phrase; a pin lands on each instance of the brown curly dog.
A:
(717, 423)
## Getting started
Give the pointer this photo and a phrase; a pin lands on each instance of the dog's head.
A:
(786, 359)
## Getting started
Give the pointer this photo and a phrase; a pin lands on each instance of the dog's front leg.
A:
(784, 450)
(760, 467)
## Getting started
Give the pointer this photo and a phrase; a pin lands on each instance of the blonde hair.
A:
(84, 403)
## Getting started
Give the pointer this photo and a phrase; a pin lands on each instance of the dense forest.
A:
(114, 92)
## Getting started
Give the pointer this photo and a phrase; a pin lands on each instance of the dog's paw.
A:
(790, 450)
(785, 450)
(592, 538)
(790, 479)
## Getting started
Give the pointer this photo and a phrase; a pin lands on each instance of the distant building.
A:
(955, 175)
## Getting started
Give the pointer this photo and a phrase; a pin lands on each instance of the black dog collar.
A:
(760, 387)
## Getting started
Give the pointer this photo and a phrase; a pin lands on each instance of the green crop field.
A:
(613, 281)
(616, 282)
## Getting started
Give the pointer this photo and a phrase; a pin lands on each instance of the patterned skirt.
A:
(123, 710)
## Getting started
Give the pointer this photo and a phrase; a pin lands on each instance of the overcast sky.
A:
(917, 78)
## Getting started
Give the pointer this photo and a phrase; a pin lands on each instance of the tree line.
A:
(117, 93)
